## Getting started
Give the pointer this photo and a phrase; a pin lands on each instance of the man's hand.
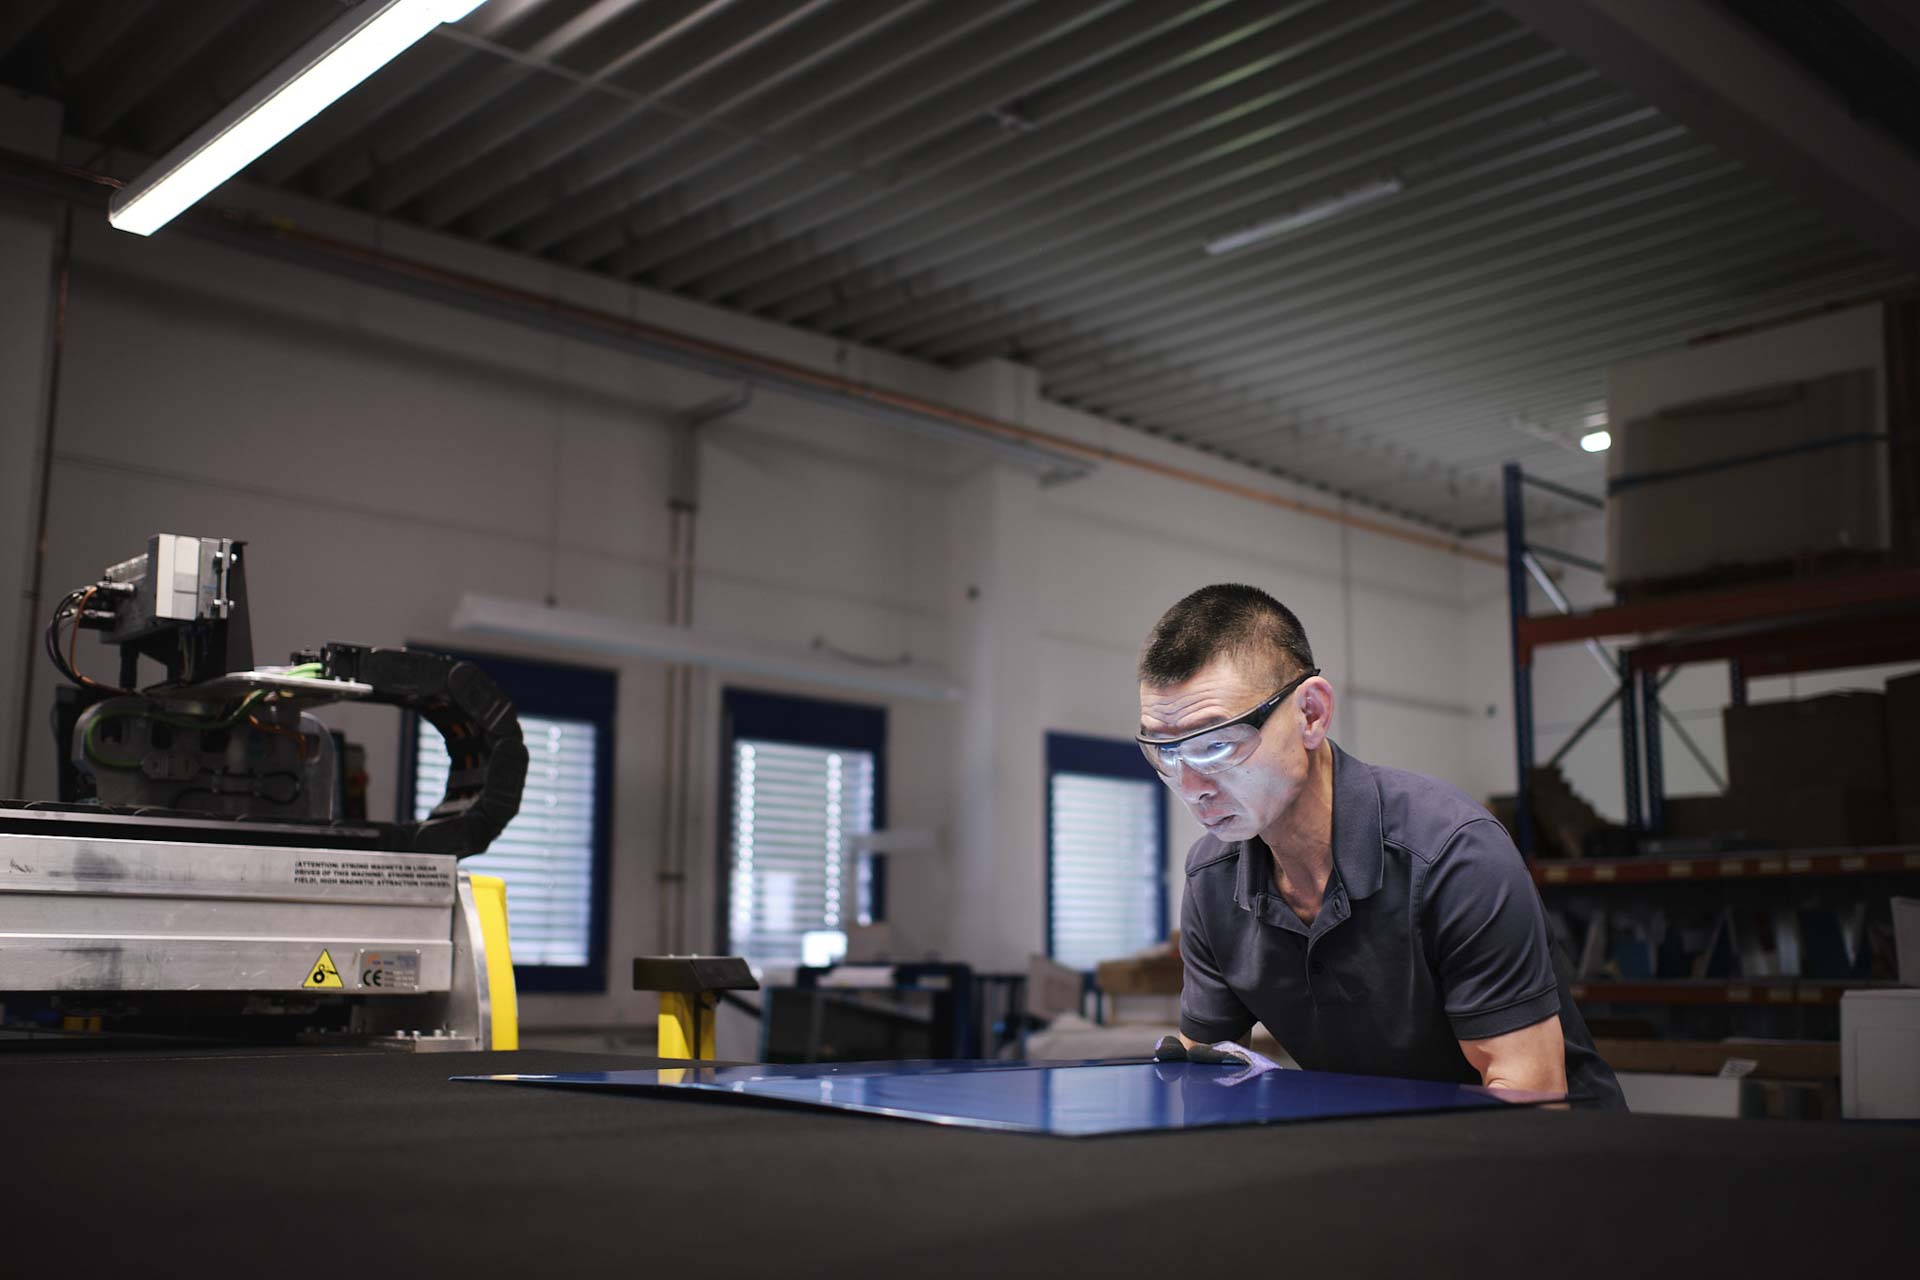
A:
(1532, 1059)
(1177, 1048)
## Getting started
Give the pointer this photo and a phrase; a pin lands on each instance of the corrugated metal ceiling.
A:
(1037, 178)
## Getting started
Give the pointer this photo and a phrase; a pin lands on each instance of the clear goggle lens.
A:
(1209, 753)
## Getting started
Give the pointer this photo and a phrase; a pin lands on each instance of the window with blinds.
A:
(791, 872)
(546, 854)
(1106, 849)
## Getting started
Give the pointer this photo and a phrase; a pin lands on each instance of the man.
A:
(1375, 921)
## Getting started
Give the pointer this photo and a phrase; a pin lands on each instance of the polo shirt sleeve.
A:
(1209, 1011)
(1486, 935)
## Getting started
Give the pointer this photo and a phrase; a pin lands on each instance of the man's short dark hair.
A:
(1227, 618)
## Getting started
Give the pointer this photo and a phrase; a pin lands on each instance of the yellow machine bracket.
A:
(690, 988)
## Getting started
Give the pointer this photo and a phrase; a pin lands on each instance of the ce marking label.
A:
(389, 969)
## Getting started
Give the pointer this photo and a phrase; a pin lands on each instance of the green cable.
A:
(93, 752)
(92, 749)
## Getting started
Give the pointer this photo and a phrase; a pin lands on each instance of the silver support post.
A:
(676, 824)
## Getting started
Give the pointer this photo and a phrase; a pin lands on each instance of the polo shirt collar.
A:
(1358, 856)
(1357, 830)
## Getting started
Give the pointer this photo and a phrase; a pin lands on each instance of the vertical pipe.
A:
(1656, 778)
(1630, 744)
(683, 807)
(676, 810)
(672, 873)
(1522, 661)
(29, 651)
(1737, 683)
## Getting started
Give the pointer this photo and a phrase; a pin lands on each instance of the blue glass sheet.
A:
(1071, 1099)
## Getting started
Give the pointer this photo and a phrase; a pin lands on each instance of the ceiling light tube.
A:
(362, 41)
(1306, 216)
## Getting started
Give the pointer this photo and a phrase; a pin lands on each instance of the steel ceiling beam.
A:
(19, 18)
(1095, 110)
(1441, 402)
(1227, 93)
(751, 189)
(1145, 79)
(1141, 247)
(268, 31)
(1375, 276)
(1710, 71)
(1513, 335)
(699, 91)
(1065, 53)
(1316, 448)
(85, 33)
(1339, 258)
(592, 167)
(1474, 281)
(418, 71)
(425, 118)
(518, 95)
(1241, 164)
(422, 69)
(118, 84)
(1486, 381)
(607, 188)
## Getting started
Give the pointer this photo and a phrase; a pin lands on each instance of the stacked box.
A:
(1811, 773)
(1903, 756)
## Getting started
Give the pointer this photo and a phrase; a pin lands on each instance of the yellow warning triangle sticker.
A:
(323, 973)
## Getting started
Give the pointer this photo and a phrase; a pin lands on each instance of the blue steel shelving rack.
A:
(1783, 627)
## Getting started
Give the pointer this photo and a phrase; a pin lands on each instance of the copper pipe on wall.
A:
(510, 303)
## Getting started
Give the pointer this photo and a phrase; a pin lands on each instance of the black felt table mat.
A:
(310, 1163)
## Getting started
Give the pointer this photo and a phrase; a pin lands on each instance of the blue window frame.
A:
(798, 777)
(557, 854)
(1106, 850)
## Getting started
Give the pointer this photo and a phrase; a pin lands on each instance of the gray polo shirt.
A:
(1431, 932)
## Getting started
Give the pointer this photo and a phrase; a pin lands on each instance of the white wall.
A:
(30, 126)
(383, 455)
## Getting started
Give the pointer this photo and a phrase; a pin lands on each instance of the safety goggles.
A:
(1219, 746)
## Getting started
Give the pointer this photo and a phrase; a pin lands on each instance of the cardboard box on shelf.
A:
(1906, 940)
(1154, 971)
(1140, 976)
(1835, 741)
(1769, 1059)
(1903, 756)
(1815, 817)
(1701, 817)
(1688, 479)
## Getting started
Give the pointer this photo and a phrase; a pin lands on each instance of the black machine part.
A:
(482, 732)
(183, 603)
(486, 775)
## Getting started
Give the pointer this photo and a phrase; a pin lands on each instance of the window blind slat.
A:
(546, 853)
(791, 872)
(1106, 867)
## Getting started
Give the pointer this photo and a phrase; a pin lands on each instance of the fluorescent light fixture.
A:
(362, 41)
(530, 623)
(1596, 441)
(1306, 216)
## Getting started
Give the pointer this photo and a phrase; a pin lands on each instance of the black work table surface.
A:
(289, 1162)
